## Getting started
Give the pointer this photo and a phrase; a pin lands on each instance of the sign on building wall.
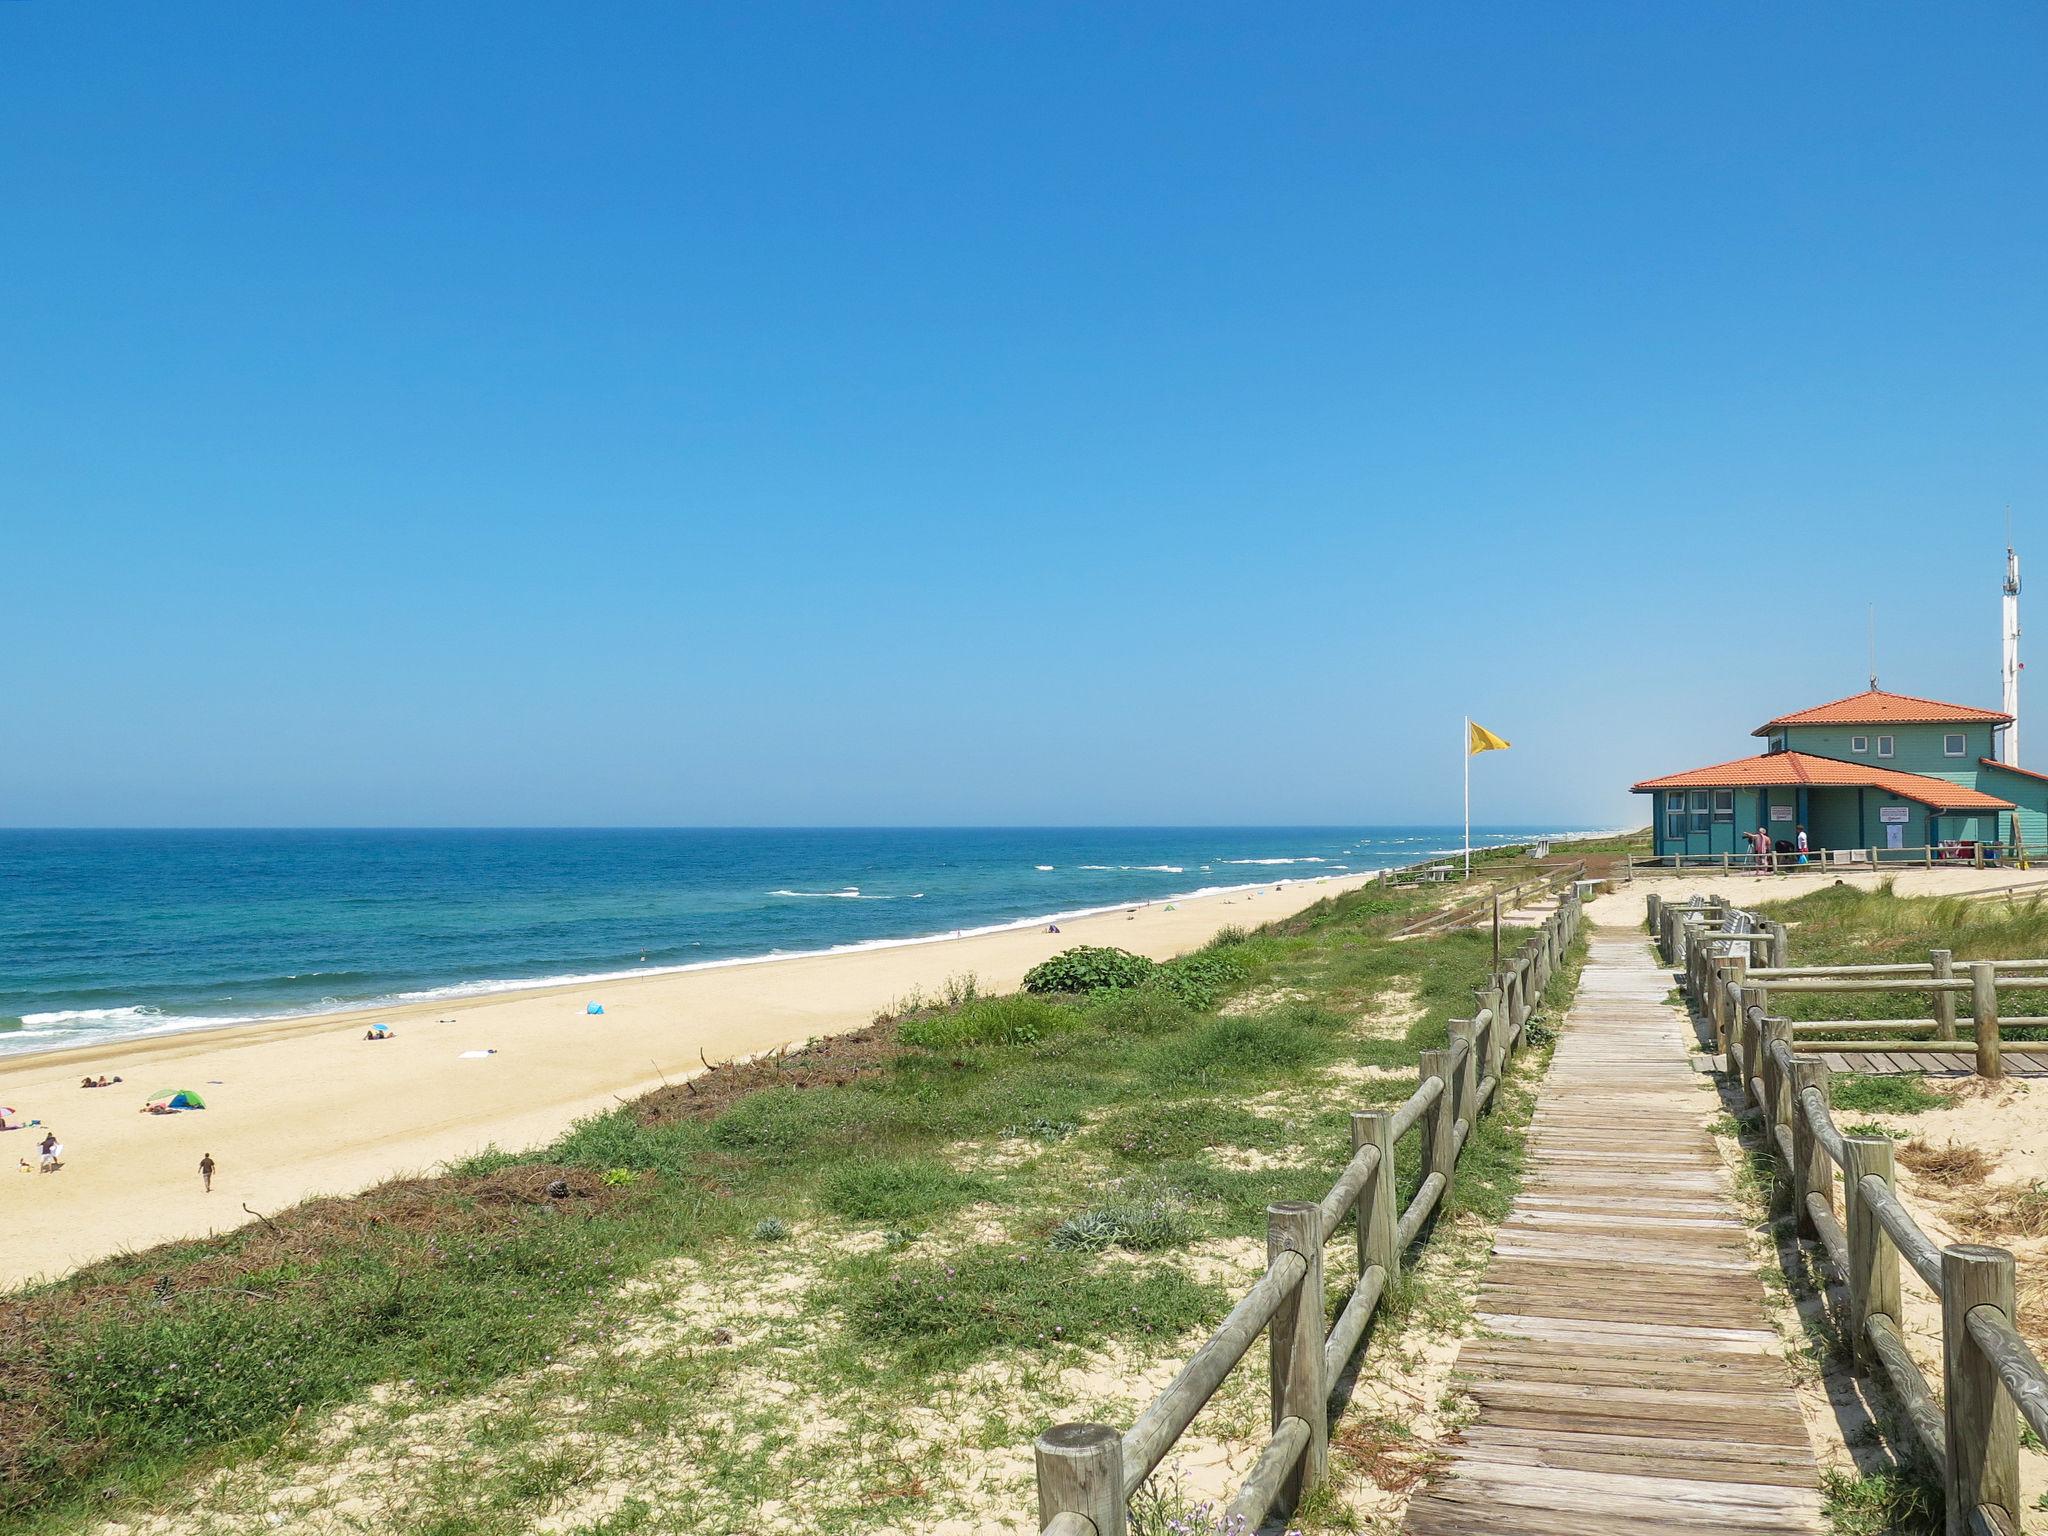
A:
(1894, 813)
(1781, 813)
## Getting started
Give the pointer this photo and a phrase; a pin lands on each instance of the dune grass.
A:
(1846, 925)
(124, 1381)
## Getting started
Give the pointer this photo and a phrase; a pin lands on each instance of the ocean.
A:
(105, 934)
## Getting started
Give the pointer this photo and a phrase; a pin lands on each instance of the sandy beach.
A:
(306, 1106)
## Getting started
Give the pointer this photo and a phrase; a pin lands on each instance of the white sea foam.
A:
(1133, 869)
(1041, 866)
(1309, 859)
(851, 893)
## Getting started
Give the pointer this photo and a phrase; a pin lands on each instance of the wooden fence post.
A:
(1435, 1131)
(1490, 1000)
(1081, 1471)
(1750, 1033)
(1777, 1103)
(1812, 1171)
(1296, 1342)
(1873, 1258)
(1781, 944)
(1944, 1001)
(1983, 1425)
(1724, 1026)
(1377, 1218)
(1653, 910)
(1984, 1009)
(1466, 1102)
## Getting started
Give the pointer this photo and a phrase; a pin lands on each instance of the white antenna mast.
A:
(2010, 702)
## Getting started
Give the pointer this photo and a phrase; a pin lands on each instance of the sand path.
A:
(304, 1107)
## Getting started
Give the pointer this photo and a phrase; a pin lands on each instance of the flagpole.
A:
(1465, 748)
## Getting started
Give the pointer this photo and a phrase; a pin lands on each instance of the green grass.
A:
(1904, 1094)
(122, 1381)
(1881, 1504)
(1845, 925)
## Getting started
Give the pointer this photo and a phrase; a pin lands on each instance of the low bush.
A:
(1142, 1226)
(1088, 968)
(1204, 978)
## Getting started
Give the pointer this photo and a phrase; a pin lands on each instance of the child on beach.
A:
(52, 1153)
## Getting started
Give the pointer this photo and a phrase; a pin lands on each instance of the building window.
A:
(1952, 744)
(1775, 743)
(1724, 807)
(1884, 746)
(1699, 810)
(1859, 743)
(1674, 814)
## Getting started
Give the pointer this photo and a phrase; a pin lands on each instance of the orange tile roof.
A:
(2025, 773)
(1772, 770)
(1876, 707)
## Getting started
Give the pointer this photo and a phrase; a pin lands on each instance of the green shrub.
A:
(771, 1229)
(1017, 1019)
(1142, 1226)
(1204, 978)
(1144, 1010)
(1087, 968)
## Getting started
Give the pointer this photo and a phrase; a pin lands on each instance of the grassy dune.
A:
(1843, 925)
(860, 1275)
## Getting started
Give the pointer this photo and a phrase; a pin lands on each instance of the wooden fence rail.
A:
(1088, 1472)
(1701, 938)
(1968, 1433)
(1506, 898)
(1983, 855)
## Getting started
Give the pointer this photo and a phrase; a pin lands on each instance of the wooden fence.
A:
(1716, 944)
(1991, 1378)
(1835, 861)
(1088, 1472)
(1539, 886)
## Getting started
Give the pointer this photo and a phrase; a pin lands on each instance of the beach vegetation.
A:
(999, 1181)
(1088, 968)
(1903, 1093)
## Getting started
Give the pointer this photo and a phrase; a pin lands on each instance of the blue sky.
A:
(520, 413)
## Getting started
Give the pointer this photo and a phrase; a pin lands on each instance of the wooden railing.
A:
(1708, 941)
(1088, 1472)
(1834, 861)
(1491, 903)
(1968, 1436)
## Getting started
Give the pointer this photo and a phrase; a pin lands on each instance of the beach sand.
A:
(306, 1106)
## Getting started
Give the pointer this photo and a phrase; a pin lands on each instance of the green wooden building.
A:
(1877, 771)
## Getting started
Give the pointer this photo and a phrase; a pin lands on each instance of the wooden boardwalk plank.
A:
(1626, 1378)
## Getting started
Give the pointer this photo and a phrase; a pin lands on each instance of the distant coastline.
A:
(115, 1007)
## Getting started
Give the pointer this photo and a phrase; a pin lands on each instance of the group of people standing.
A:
(1767, 854)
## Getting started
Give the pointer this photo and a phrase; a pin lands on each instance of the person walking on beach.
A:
(206, 1171)
(1799, 843)
(52, 1153)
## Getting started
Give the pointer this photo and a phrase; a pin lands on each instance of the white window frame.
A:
(1961, 747)
(1859, 743)
(1702, 810)
(1886, 745)
(1724, 807)
(1674, 814)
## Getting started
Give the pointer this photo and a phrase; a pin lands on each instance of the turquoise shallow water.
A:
(120, 933)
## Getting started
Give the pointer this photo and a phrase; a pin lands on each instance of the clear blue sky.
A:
(533, 413)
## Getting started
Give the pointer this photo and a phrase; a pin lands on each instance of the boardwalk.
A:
(1626, 1377)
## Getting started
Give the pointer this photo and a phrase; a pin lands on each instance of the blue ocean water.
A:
(115, 933)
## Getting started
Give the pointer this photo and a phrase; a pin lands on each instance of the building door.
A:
(1894, 835)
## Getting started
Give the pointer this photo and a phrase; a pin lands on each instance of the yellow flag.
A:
(1483, 740)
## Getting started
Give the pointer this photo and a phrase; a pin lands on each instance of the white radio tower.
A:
(2011, 702)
